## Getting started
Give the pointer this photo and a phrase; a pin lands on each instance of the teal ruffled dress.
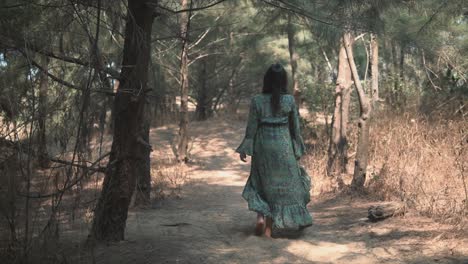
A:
(277, 186)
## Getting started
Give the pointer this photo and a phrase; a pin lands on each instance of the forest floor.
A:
(209, 221)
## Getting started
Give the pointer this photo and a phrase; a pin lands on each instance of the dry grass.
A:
(316, 140)
(167, 179)
(422, 163)
(419, 161)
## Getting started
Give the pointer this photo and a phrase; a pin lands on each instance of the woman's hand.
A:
(243, 157)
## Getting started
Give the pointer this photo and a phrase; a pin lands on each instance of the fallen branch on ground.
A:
(380, 212)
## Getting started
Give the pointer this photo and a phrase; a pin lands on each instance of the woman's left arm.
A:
(295, 129)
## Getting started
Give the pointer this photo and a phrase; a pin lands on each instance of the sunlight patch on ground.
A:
(329, 252)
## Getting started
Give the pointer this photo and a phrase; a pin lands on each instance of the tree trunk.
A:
(397, 74)
(232, 97)
(105, 105)
(293, 58)
(128, 152)
(43, 156)
(233, 94)
(338, 147)
(184, 113)
(203, 110)
(161, 103)
(401, 80)
(143, 171)
(374, 69)
(362, 153)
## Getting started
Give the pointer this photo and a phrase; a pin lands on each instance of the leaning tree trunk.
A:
(362, 153)
(182, 148)
(338, 147)
(293, 59)
(129, 150)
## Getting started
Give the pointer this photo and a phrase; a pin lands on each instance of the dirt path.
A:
(210, 223)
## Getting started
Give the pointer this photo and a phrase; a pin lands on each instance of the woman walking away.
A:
(277, 188)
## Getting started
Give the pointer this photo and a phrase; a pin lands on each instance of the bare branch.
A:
(188, 9)
(65, 83)
(202, 56)
(293, 9)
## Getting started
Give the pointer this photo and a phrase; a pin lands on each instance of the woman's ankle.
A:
(260, 218)
(268, 227)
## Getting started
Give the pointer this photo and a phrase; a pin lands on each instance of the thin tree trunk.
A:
(182, 148)
(374, 69)
(338, 147)
(128, 151)
(395, 97)
(401, 81)
(233, 94)
(105, 105)
(293, 58)
(43, 156)
(162, 104)
(232, 98)
(362, 153)
(203, 102)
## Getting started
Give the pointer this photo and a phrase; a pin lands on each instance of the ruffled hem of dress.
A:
(255, 201)
(290, 216)
(246, 146)
(284, 216)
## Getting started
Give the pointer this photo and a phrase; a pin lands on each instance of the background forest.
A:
(382, 87)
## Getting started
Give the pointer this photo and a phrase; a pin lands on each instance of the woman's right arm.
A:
(247, 145)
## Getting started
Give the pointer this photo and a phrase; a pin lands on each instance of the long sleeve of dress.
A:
(295, 129)
(247, 144)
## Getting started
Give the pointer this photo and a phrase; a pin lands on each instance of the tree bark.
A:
(128, 151)
(143, 170)
(182, 148)
(293, 59)
(338, 147)
(362, 153)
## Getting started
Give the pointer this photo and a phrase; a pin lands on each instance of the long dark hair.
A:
(275, 82)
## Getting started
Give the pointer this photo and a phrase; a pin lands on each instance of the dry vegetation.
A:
(414, 159)
(167, 180)
(64, 71)
(421, 162)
